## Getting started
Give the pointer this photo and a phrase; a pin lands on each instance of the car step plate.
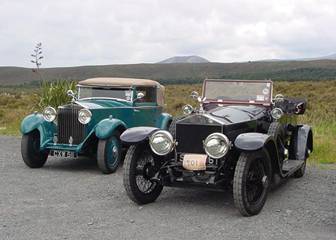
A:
(290, 165)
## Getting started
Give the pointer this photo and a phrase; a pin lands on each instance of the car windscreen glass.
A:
(246, 91)
(98, 92)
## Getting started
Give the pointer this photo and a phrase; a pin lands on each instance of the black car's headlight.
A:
(84, 116)
(161, 142)
(216, 145)
(49, 114)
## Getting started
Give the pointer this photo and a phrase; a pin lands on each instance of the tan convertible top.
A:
(126, 82)
(119, 82)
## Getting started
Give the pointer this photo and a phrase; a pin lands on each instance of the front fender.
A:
(251, 141)
(164, 121)
(105, 128)
(137, 134)
(36, 122)
(256, 141)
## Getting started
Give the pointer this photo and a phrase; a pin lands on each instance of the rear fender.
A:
(36, 122)
(304, 140)
(105, 128)
(137, 134)
(164, 121)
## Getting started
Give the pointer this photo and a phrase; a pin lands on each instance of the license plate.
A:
(64, 154)
(194, 162)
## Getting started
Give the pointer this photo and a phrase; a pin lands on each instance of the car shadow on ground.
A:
(211, 201)
(80, 164)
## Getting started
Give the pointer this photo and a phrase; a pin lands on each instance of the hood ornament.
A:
(70, 93)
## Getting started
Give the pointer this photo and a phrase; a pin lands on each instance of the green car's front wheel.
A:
(32, 156)
(109, 154)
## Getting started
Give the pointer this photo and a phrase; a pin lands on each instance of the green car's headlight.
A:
(49, 114)
(216, 145)
(84, 116)
(161, 142)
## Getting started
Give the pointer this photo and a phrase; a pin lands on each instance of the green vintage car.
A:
(91, 124)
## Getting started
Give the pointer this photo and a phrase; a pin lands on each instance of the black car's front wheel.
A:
(109, 154)
(32, 156)
(251, 182)
(139, 170)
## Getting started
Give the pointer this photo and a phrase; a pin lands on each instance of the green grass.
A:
(321, 112)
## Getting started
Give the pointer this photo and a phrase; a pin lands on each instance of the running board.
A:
(290, 166)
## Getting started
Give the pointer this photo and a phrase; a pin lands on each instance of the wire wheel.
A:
(140, 168)
(145, 171)
(256, 177)
(251, 182)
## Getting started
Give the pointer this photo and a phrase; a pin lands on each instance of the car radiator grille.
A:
(190, 137)
(69, 126)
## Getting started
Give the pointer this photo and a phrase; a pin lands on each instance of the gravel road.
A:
(71, 199)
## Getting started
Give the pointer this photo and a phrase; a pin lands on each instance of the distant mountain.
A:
(185, 59)
(328, 57)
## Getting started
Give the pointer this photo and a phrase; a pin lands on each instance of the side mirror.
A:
(139, 96)
(194, 95)
(70, 93)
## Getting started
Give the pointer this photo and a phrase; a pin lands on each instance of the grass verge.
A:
(321, 113)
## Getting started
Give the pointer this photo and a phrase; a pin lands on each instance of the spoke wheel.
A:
(139, 169)
(251, 182)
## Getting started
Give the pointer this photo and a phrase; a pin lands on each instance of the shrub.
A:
(54, 93)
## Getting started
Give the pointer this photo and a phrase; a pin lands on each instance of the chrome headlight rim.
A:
(84, 116)
(168, 137)
(277, 113)
(220, 137)
(49, 114)
(187, 109)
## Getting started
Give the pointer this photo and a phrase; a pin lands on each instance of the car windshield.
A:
(238, 91)
(103, 92)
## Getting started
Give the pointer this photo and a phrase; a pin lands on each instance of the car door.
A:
(145, 108)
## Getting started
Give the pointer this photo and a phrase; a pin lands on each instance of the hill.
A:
(181, 72)
(327, 57)
(185, 59)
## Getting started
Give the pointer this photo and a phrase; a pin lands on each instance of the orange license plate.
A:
(194, 162)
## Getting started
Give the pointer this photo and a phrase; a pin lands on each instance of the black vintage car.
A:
(240, 138)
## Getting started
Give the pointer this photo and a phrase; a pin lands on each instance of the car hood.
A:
(102, 103)
(226, 115)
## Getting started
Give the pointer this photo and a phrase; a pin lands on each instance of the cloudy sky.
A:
(90, 32)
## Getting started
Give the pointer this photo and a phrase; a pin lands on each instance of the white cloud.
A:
(88, 32)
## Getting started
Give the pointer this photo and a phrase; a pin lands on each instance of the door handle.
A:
(136, 110)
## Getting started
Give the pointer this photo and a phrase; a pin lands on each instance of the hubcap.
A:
(112, 153)
(264, 181)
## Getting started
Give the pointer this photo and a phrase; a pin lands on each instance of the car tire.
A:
(30, 150)
(301, 171)
(251, 164)
(277, 131)
(139, 154)
(109, 154)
